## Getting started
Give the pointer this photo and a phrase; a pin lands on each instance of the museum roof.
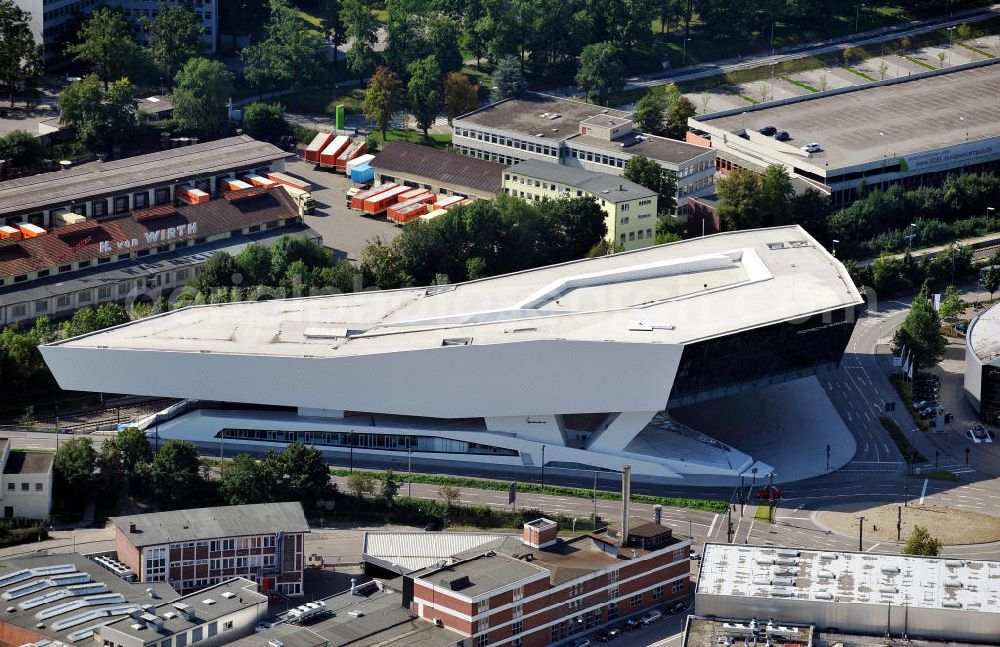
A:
(194, 524)
(677, 293)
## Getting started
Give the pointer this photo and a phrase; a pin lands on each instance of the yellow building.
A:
(630, 207)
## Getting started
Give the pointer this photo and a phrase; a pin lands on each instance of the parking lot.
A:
(343, 230)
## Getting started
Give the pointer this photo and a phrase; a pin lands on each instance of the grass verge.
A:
(917, 61)
(973, 48)
(867, 77)
(710, 505)
(434, 140)
(763, 513)
(941, 475)
(804, 86)
(901, 441)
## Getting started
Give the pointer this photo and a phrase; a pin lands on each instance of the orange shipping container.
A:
(358, 200)
(402, 214)
(259, 180)
(12, 233)
(191, 195)
(382, 201)
(447, 201)
(355, 149)
(316, 146)
(29, 230)
(290, 180)
(329, 155)
(234, 185)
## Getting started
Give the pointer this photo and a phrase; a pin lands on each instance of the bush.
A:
(265, 121)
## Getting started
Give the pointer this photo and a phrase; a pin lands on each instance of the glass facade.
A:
(989, 402)
(385, 442)
(762, 357)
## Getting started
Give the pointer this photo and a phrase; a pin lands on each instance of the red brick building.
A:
(200, 547)
(538, 589)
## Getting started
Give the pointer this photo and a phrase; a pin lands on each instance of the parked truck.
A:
(328, 158)
(316, 146)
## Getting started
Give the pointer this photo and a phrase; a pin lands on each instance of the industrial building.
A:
(26, 487)
(582, 135)
(131, 183)
(982, 365)
(53, 20)
(675, 324)
(437, 171)
(953, 600)
(630, 207)
(76, 600)
(909, 131)
(138, 256)
(194, 548)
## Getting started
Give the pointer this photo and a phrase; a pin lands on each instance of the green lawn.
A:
(414, 137)
(763, 513)
(324, 100)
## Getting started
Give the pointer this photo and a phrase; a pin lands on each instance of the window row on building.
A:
(388, 442)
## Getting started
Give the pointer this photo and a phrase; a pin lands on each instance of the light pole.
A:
(857, 16)
(594, 524)
(543, 465)
(772, 36)
(770, 497)
(684, 56)
(833, 249)
(409, 472)
(989, 212)
(753, 480)
(951, 45)
(861, 532)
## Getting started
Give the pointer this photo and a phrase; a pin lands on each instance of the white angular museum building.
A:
(579, 362)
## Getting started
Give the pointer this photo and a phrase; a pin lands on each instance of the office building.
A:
(199, 547)
(674, 324)
(132, 183)
(53, 22)
(582, 135)
(630, 207)
(936, 598)
(909, 131)
(26, 490)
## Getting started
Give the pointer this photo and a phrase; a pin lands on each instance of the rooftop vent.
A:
(457, 341)
(555, 115)
(208, 601)
(275, 643)
(356, 613)
(823, 595)
(229, 595)
(952, 604)
(776, 245)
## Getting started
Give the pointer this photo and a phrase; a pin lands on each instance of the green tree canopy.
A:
(329, 13)
(382, 98)
(20, 59)
(265, 121)
(300, 473)
(291, 54)
(952, 305)
(920, 332)
(922, 543)
(390, 486)
(175, 37)
(460, 95)
(106, 46)
(424, 92)
(202, 90)
(101, 120)
(361, 27)
(992, 280)
(74, 464)
(254, 264)
(601, 70)
(134, 451)
(650, 174)
(175, 474)
(508, 79)
(676, 122)
(442, 34)
(648, 114)
(245, 480)
(24, 150)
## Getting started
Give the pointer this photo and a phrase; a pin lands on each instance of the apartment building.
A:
(53, 22)
(195, 548)
(538, 589)
(26, 489)
(582, 135)
(630, 207)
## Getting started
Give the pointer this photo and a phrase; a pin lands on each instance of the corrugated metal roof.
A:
(403, 552)
(210, 523)
(448, 169)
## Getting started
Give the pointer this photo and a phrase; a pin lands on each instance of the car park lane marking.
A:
(923, 492)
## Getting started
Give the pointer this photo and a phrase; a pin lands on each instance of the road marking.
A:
(923, 492)
(873, 547)
(712, 527)
(886, 448)
(849, 418)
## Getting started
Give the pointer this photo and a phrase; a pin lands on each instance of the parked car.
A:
(767, 131)
(695, 556)
(782, 136)
(929, 412)
(962, 328)
(978, 434)
(650, 617)
(923, 404)
(434, 526)
(768, 492)
(812, 148)
(608, 634)
(581, 642)
(632, 624)
(676, 607)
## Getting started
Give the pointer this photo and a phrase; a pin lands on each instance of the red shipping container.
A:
(329, 155)
(381, 201)
(316, 146)
(353, 150)
(358, 201)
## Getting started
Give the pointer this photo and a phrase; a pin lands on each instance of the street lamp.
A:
(833, 248)
(857, 16)
(951, 44)
(543, 465)
(684, 56)
(861, 532)
(989, 212)
(772, 36)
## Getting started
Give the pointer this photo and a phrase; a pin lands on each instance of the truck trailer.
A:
(353, 150)
(316, 146)
(328, 158)
(358, 199)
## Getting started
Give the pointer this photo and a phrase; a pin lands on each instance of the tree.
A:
(330, 15)
(300, 473)
(74, 464)
(650, 174)
(508, 79)
(291, 54)
(175, 474)
(243, 17)
(20, 62)
(24, 150)
(776, 193)
(992, 280)
(133, 450)
(382, 98)
(677, 118)
(424, 91)
(201, 91)
(739, 201)
(265, 121)
(175, 37)
(390, 486)
(460, 95)
(450, 494)
(106, 46)
(362, 484)
(952, 305)
(101, 120)
(600, 70)
(362, 30)
(442, 40)
(216, 272)
(245, 480)
(383, 266)
(850, 53)
(922, 543)
(254, 264)
(648, 115)
(920, 332)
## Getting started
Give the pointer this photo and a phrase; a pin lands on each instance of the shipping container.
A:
(379, 202)
(353, 150)
(29, 230)
(259, 180)
(358, 199)
(358, 161)
(191, 195)
(446, 201)
(328, 158)
(437, 213)
(402, 214)
(10, 233)
(69, 218)
(412, 193)
(363, 173)
(234, 185)
(316, 146)
(290, 180)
